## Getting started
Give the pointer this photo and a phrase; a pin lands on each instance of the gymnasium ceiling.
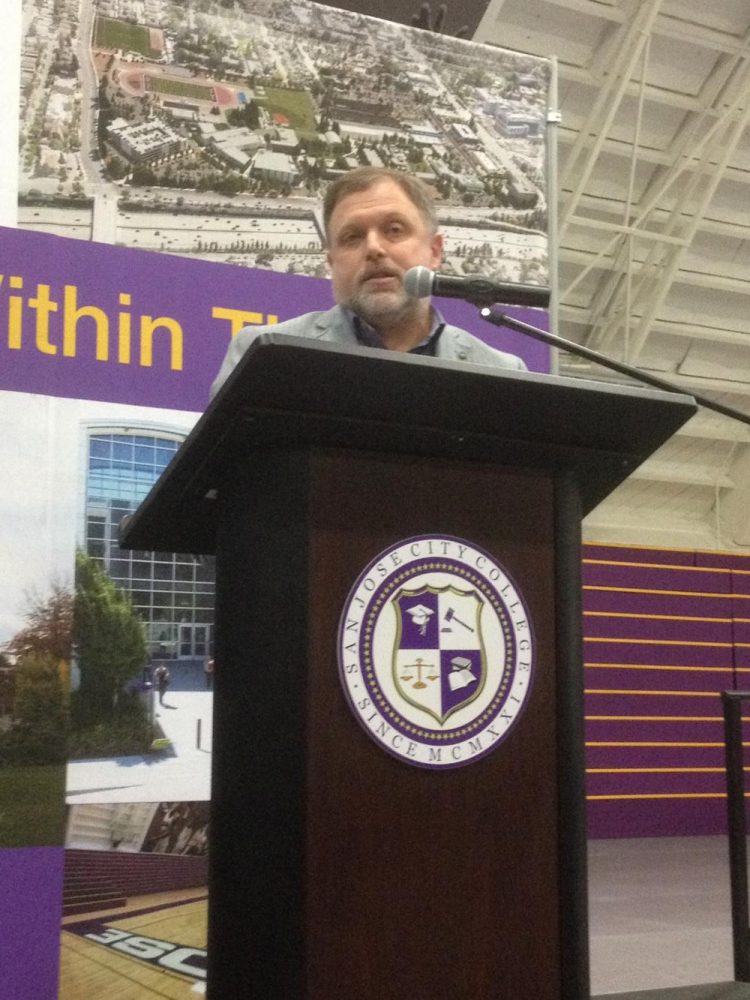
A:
(654, 232)
(654, 228)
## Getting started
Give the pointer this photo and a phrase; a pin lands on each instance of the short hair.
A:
(363, 178)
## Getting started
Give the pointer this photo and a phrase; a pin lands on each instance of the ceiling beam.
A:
(670, 327)
(647, 154)
(583, 156)
(615, 207)
(670, 25)
(686, 383)
(607, 262)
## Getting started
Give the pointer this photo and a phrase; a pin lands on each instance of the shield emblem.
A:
(439, 661)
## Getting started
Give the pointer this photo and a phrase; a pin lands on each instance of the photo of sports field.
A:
(112, 34)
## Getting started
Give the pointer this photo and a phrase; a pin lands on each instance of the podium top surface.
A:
(294, 393)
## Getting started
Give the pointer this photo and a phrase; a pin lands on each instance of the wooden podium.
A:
(336, 870)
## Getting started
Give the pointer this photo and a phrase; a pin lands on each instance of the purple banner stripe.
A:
(657, 818)
(656, 730)
(741, 583)
(722, 559)
(657, 578)
(653, 653)
(596, 626)
(603, 678)
(649, 704)
(695, 605)
(651, 784)
(616, 553)
(92, 321)
(662, 756)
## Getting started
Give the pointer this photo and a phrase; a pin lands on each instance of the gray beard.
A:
(384, 312)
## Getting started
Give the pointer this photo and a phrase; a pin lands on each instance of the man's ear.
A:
(436, 245)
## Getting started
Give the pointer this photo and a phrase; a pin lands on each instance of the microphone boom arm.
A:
(502, 319)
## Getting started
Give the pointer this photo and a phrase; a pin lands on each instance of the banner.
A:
(106, 359)
(88, 321)
(206, 133)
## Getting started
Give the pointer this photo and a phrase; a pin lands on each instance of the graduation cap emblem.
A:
(420, 616)
(439, 658)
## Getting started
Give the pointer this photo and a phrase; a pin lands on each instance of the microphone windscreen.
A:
(418, 282)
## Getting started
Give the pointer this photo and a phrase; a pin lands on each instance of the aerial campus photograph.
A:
(210, 129)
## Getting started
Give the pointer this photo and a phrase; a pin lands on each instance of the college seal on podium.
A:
(436, 651)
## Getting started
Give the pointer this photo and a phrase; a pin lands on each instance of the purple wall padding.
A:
(32, 879)
(665, 633)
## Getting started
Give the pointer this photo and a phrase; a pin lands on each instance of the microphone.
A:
(420, 282)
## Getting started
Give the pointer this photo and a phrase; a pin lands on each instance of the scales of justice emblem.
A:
(436, 651)
(439, 658)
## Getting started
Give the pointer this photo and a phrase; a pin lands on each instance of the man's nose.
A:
(374, 244)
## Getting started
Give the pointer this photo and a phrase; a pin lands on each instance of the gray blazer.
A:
(334, 327)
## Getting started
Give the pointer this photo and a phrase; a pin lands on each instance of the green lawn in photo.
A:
(32, 805)
(296, 106)
(180, 88)
(111, 34)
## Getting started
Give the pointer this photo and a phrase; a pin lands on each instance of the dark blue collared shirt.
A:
(368, 336)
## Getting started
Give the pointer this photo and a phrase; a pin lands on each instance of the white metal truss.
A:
(630, 298)
(654, 231)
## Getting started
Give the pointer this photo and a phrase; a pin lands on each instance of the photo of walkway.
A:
(180, 772)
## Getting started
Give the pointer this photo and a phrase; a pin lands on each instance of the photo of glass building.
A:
(172, 592)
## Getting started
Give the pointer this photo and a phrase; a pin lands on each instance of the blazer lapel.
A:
(453, 345)
(333, 327)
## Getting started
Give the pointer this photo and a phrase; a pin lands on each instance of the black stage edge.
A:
(707, 991)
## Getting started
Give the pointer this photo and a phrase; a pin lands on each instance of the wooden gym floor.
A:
(120, 966)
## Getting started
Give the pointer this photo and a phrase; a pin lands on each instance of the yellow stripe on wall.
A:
(667, 593)
(648, 565)
(655, 694)
(655, 718)
(676, 566)
(668, 745)
(660, 581)
(661, 795)
(657, 618)
(636, 547)
(660, 666)
(661, 642)
(658, 770)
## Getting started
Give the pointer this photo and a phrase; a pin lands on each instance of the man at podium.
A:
(379, 223)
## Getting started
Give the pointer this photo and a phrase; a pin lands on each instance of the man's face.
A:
(374, 237)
